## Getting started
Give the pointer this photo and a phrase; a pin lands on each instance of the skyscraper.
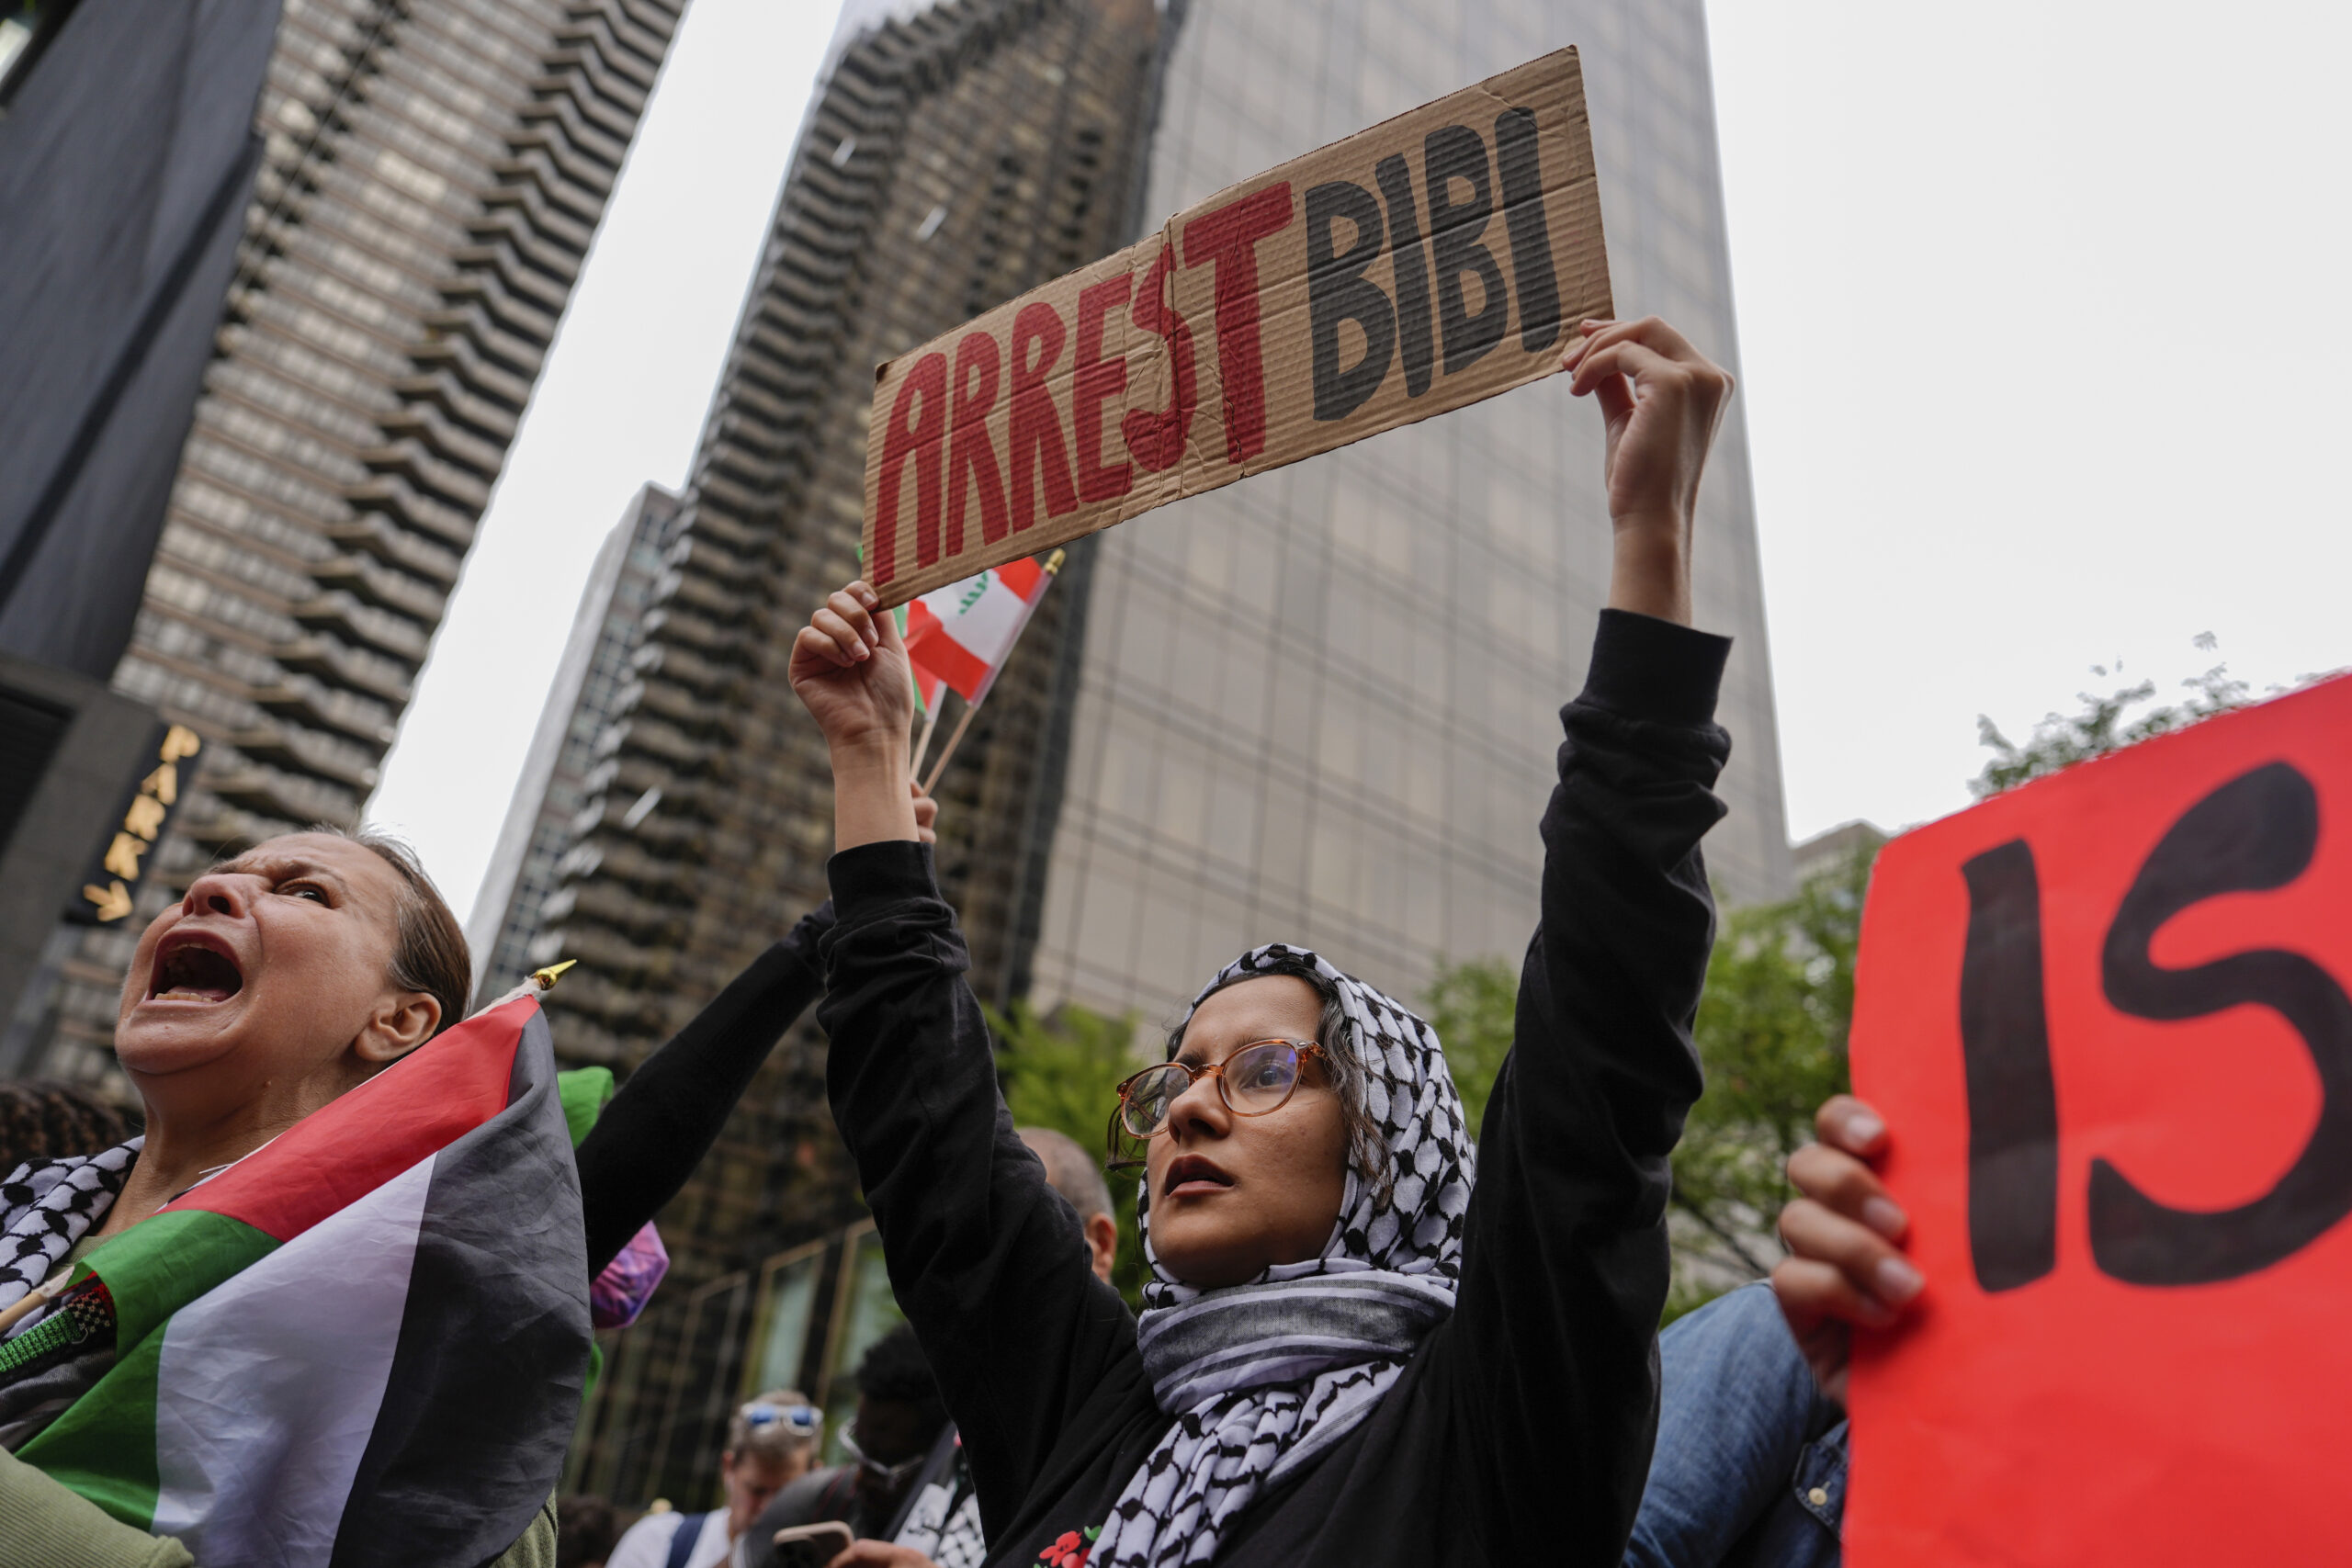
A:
(433, 173)
(560, 772)
(1320, 705)
(951, 160)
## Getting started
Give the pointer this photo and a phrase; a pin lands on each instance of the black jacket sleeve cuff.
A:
(872, 878)
(800, 943)
(1645, 668)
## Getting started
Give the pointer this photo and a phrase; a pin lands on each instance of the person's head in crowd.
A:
(899, 1415)
(1269, 1122)
(1078, 1177)
(43, 1120)
(585, 1530)
(286, 976)
(771, 1443)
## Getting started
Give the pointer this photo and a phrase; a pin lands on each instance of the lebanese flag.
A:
(364, 1343)
(960, 635)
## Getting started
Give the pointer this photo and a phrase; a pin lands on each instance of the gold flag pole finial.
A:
(545, 979)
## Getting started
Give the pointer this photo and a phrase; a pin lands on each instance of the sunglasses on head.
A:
(804, 1420)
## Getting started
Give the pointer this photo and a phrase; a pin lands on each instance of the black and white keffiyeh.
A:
(1265, 1376)
(48, 1206)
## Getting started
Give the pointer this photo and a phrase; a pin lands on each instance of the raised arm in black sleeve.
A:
(1550, 1362)
(665, 1119)
(986, 1259)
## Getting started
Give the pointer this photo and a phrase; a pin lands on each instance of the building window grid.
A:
(323, 377)
(405, 212)
(255, 430)
(239, 518)
(278, 397)
(304, 321)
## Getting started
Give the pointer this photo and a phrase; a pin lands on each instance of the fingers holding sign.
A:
(1661, 400)
(1845, 1266)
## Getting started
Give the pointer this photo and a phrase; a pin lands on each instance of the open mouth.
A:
(192, 970)
(1191, 1176)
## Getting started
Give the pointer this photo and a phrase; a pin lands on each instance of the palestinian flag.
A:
(960, 635)
(364, 1342)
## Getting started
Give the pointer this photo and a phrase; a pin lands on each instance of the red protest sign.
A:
(2106, 1017)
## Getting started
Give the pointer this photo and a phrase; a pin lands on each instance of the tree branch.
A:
(1722, 1234)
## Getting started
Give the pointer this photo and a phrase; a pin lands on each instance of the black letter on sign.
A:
(2005, 1044)
(1410, 257)
(1337, 290)
(1531, 236)
(2253, 834)
(1454, 152)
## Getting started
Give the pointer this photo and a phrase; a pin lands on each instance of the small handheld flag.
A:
(959, 637)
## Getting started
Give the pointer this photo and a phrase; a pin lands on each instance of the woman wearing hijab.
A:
(1363, 1341)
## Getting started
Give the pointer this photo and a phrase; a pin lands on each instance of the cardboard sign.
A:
(1432, 261)
(2107, 1018)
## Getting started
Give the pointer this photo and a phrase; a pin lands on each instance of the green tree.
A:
(1063, 1071)
(2061, 741)
(1771, 1036)
(1471, 1005)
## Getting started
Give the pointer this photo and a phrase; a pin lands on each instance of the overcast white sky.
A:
(2043, 317)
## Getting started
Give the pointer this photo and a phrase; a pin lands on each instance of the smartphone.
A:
(810, 1546)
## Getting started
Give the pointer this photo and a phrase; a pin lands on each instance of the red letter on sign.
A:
(1036, 426)
(1097, 382)
(918, 438)
(970, 458)
(1229, 237)
(1157, 438)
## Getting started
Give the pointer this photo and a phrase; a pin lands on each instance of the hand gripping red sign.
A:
(2106, 1017)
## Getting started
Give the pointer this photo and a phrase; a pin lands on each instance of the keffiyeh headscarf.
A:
(48, 1206)
(1265, 1376)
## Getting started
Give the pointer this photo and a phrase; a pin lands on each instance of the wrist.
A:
(875, 753)
(1650, 569)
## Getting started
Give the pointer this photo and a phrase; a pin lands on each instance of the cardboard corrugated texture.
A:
(1432, 261)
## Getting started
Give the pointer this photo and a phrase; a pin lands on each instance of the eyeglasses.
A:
(887, 1475)
(804, 1420)
(1256, 1080)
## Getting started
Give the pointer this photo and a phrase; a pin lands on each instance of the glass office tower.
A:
(1320, 705)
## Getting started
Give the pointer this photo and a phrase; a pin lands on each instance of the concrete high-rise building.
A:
(951, 160)
(432, 174)
(1320, 705)
(560, 772)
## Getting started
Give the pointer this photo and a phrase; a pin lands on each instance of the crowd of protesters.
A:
(1371, 1333)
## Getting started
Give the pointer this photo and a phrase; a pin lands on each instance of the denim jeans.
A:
(1750, 1465)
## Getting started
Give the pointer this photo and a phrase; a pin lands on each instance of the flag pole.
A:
(922, 742)
(954, 736)
(962, 721)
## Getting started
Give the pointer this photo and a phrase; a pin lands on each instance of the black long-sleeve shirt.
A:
(663, 1120)
(1520, 1430)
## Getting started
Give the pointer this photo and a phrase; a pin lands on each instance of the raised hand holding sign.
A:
(1428, 262)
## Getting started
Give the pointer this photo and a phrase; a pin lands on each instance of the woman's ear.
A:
(1101, 1244)
(402, 1022)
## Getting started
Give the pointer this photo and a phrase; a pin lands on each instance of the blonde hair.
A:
(773, 1438)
